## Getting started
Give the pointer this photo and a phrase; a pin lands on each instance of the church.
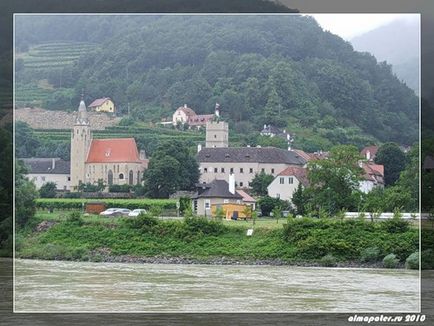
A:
(116, 161)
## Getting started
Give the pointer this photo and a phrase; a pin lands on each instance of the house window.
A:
(282, 181)
(215, 170)
(250, 170)
(68, 178)
(215, 136)
(241, 184)
(207, 204)
(121, 176)
(205, 170)
(241, 170)
(272, 170)
(232, 170)
(222, 170)
(263, 170)
(290, 180)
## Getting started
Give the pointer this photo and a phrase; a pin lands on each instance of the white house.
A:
(286, 182)
(373, 177)
(44, 170)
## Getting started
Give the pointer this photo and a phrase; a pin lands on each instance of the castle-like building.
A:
(115, 161)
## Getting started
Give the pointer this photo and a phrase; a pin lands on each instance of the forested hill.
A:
(283, 70)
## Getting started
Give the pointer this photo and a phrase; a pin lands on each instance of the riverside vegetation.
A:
(301, 241)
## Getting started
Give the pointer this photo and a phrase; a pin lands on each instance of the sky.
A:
(348, 26)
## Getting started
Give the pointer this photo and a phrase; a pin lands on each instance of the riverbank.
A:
(296, 242)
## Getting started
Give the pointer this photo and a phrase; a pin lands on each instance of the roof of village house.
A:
(246, 197)
(188, 111)
(298, 172)
(372, 150)
(303, 154)
(116, 150)
(215, 189)
(99, 101)
(249, 154)
(44, 165)
(428, 162)
(373, 172)
(200, 119)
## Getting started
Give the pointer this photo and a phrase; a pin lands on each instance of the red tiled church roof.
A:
(200, 119)
(113, 151)
(98, 102)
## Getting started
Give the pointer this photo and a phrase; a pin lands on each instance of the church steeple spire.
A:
(82, 112)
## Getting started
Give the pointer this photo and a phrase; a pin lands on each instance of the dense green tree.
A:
(260, 183)
(26, 142)
(25, 195)
(172, 167)
(6, 190)
(394, 161)
(334, 182)
(268, 204)
(300, 200)
(48, 190)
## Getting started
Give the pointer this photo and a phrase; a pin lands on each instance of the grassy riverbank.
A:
(327, 242)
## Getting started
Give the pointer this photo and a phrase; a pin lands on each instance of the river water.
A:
(59, 286)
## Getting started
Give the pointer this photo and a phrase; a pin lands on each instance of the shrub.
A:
(72, 195)
(390, 261)
(119, 188)
(144, 222)
(202, 225)
(395, 225)
(48, 190)
(370, 254)
(412, 261)
(75, 217)
(427, 259)
(328, 261)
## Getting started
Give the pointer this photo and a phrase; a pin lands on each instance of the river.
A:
(60, 286)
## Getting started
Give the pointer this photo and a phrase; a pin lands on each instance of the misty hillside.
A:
(283, 70)
(398, 44)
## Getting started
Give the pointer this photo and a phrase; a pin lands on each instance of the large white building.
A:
(44, 170)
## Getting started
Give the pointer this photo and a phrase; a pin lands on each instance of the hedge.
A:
(76, 203)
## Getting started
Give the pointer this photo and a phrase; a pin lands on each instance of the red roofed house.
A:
(369, 152)
(104, 104)
(186, 115)
(373, 177)
(116, 161)
(287, 181)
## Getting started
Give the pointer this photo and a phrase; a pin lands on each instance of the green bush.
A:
(75, 217)
(119, 188)
(390, 261)
(202, 225)
(370, 254)
(144, 222)
(76, 203)
(72, 195)
(48, 190)
(395, 225)
(328, 261)
(412, 261)
(427, 259)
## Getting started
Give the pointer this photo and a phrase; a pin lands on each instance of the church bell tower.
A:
(81, 138)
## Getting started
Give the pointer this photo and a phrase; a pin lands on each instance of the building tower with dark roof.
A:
(217, 132)
(81, 138)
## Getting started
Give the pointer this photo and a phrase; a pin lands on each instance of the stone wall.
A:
(39, 118)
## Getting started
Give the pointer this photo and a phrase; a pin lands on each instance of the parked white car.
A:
(137, 212)
(115, 212)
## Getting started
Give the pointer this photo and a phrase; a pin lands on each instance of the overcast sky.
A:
(348, 26)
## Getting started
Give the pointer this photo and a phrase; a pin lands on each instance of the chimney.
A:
(368, 155)
(142, 154)
(53, 163)
(265, 126)
(232, 183)
(199, 147)
(185, 106)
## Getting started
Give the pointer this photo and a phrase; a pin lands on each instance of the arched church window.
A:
(121, 176)
(130, 177)
(110, 177)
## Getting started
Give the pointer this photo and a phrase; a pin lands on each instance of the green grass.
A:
(294, 240)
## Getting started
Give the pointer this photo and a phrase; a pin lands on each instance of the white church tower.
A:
(81, 138)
